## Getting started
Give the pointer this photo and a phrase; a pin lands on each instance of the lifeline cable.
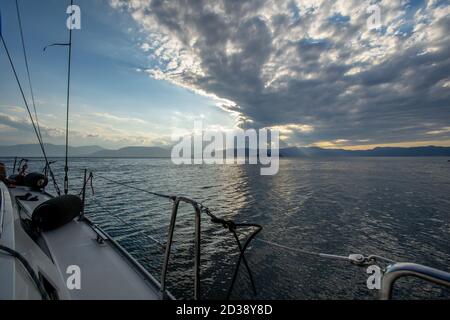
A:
(357, 259)
(227, 224)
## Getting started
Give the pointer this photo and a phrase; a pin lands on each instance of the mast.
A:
(66, 166)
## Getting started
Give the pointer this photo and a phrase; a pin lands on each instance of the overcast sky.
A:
(315, 70)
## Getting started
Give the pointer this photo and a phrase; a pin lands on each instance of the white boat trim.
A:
(108, 271)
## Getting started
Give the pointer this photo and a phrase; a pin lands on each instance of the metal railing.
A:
(392, 273)
(402, 270)
(197, 209)
(2, 209)
(227, 224)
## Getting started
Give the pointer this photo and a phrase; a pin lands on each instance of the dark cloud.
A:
(318, 64)
(22, 126)
(15, 123)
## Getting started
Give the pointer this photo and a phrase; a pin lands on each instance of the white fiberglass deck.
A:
(107, 272)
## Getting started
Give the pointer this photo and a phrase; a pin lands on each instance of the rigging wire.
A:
(39, 134)
(232, 227)
(355, 259)
(133, 227)
(66, 166)
(227, 224)
(28, 109)
(302, 251)
(90, 180)
(135, 188)
(27, 68)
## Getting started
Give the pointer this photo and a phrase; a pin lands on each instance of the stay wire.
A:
(28, 110)
(357, 259)
(98, 203)
(135, 188)
(69, 68)
(19, 17)
(227, 224)
(369, 259)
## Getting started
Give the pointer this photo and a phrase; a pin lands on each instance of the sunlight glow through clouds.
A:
(306, 63)
(312, 69)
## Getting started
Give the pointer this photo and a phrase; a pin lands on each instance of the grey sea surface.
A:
(395, 207)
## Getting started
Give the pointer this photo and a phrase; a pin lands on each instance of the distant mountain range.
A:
(33, 150)
(133, 152)
(430, 151)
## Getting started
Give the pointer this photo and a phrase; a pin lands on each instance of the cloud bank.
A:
(90, 128)
(315, 69)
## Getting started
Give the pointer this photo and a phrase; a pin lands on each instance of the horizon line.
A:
(344, 148)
